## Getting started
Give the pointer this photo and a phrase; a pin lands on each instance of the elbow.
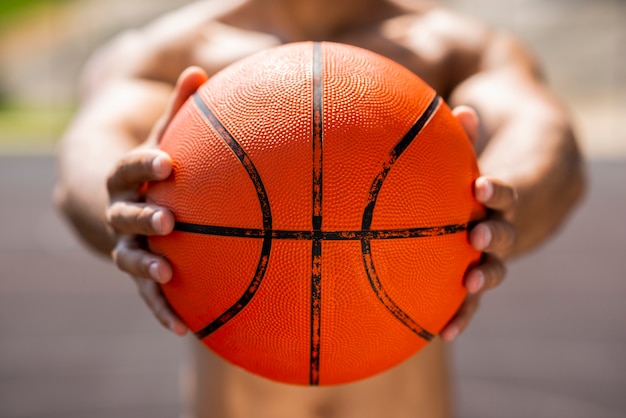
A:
(95, 236)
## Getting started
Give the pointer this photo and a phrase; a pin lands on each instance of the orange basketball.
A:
(322, 196)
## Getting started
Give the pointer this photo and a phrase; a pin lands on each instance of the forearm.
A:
(109, 125)
(81, 188)
(537, 154)
(530, 144)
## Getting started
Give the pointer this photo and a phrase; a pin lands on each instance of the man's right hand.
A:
(133, 220)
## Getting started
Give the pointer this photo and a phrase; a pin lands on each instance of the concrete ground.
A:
(76, 342)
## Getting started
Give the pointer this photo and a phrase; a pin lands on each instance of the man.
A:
(134, 85)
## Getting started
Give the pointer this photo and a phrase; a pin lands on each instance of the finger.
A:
(495, 194)
(140, 263)
(459, 323)
(187, 84)
(493, 236)
(139, 167)
(151, 293)
(468, 118)
(487, 275)
(140, 219)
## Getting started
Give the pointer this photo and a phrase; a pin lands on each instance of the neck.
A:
(299, 20)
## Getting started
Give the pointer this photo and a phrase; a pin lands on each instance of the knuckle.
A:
(507, 237)
(144, 218)
(489, 275)
(119, 254)
(144, 266)
(131, 217)
(113, 214)
(124, 172)
(501, 190)
(130, 259)
(132, 168)
(494, 274)
(503, 233)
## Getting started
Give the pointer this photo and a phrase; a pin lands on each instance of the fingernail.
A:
(157, 163)
(452, 334)
(478, 280)
(178, 329)
(154, 271)
(158, 167)
(157, 221)
(485, 237)
(486, 188)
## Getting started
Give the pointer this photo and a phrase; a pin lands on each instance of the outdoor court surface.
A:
(77, 342)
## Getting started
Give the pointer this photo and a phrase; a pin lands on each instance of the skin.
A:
(131, 88)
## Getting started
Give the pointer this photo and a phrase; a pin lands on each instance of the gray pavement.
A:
(76, 341)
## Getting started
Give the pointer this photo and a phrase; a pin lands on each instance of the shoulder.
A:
(453, 45)
(160, 51)
(440, 32)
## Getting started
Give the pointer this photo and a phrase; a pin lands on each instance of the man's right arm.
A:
(115, 119)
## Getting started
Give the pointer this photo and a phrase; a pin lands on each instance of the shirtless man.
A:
(532, 172)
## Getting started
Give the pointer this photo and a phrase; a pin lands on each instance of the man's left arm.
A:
(531, 166)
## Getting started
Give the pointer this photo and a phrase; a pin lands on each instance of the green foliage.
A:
(12, 9)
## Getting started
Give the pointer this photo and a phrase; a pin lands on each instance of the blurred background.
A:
(76, 341)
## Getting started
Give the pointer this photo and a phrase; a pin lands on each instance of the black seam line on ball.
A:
(368, 213)
(302, 235)
(261, 268)
(385, 299)
(394, 154)
(316, 219)
(243, 157)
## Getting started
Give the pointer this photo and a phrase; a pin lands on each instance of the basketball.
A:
(323, 198)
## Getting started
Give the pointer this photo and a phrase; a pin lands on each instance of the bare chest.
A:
(218, 47)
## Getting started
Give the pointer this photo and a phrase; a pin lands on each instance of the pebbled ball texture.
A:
(323, 196)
